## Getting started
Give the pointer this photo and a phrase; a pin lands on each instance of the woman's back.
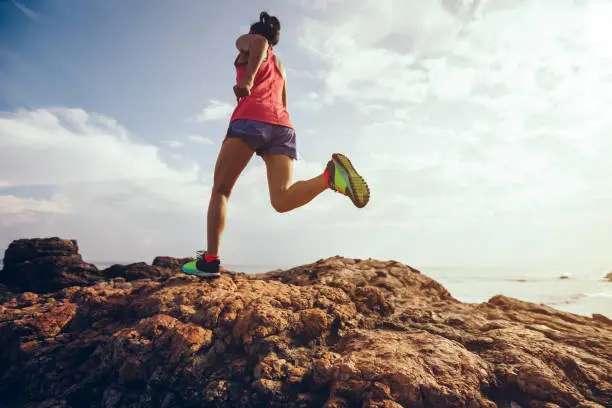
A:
(265, 102)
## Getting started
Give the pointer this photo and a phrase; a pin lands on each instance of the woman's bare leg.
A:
(233, 158)
(284, 195)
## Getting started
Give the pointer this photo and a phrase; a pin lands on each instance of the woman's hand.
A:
(242, 90)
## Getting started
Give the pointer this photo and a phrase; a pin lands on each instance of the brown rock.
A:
(336, 333)
(162, 267)
(174, 264)
(27, 250)
(188, 340)
(25, 327)
(131, 370)
(601, 318)
(135, 271)
(373, 299)
(312, 324)
(44, 265)
(272, 390)
(336, 402)
(5, 293)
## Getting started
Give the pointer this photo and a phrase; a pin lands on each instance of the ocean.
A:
(583, 292)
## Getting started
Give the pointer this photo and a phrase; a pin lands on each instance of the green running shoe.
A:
(344, 179)
(199, 267)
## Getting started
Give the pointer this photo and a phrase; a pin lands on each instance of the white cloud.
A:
(215, 110)
(199, 139)
(317, 4)
(173, 144)
(471, 122)
(111, 192)
(420, 50)
(196, 139)
(54, 146)
(17, 210)
(310, 102)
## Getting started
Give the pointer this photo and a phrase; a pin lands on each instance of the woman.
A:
(260, 124)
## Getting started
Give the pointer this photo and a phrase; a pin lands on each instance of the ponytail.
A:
(268, 26)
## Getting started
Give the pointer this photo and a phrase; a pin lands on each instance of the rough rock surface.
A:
(336, 333)
(172, 264)
(5, 293)
(163, 267)
(135, 271)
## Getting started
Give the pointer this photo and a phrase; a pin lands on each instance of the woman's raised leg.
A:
(285, 195)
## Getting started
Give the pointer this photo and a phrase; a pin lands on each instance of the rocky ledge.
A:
(336, 333)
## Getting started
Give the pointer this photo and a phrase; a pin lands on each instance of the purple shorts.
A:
(264, 138)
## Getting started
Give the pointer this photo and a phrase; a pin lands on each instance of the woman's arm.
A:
(256, 47)
(242, 43)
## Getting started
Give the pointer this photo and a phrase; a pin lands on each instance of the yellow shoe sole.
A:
(359, 192)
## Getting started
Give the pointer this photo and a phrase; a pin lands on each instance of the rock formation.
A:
(45, 265)
(336, 333)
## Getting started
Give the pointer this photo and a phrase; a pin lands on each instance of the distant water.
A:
(584, 292)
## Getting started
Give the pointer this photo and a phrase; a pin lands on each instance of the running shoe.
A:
(199, 267)
(344, 179)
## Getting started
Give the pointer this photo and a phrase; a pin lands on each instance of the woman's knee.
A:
(279, 203)
(222, 188)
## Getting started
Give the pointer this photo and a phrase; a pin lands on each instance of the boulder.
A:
(44, 265)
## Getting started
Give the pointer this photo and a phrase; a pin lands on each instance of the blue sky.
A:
(130, 60)
(485, 142)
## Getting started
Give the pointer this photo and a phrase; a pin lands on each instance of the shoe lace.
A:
(199, 254)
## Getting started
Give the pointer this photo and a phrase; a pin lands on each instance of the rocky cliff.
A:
(336, 333)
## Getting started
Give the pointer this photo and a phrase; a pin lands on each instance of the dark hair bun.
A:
(268, 26)
(275, 23)
(269, 20)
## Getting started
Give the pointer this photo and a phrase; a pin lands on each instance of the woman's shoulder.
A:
(245, 41)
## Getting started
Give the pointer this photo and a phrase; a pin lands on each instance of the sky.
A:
(482, 128)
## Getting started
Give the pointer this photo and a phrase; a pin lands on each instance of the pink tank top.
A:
(265, 104)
